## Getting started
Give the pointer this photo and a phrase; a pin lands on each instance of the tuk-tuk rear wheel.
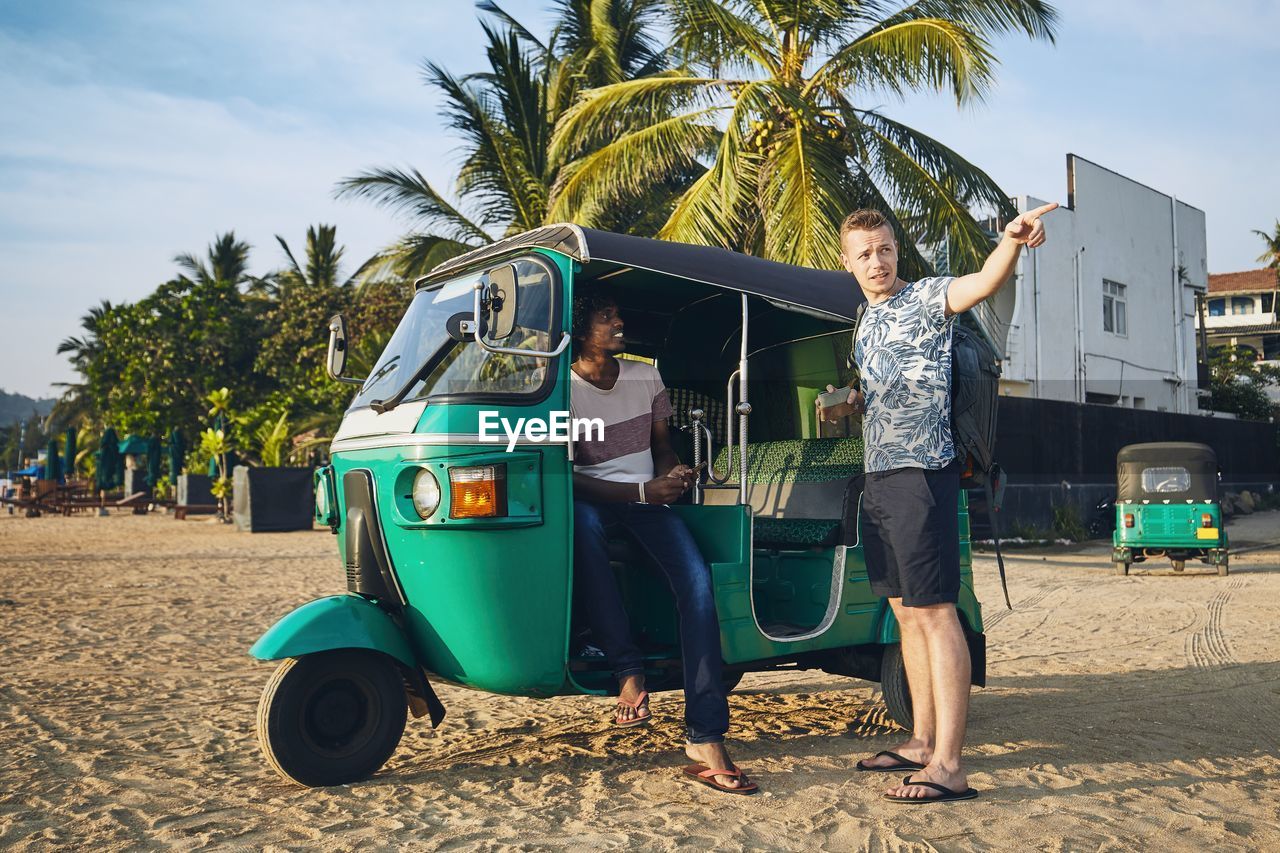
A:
(1121, 567)
(333, 717)
(1222, 567)
(893, 686)
(1179, 565)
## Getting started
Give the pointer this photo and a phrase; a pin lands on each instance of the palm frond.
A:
(631, 164)
(497, 171)
(514, 25)
(410, 193)
(602, 114)
(927, 54)
(710, 34)
(412, 256)
(805, 193)
(933, 186)
(716, 209)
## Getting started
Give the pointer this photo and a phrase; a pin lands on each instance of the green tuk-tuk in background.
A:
(1167, 506)
(458, 550)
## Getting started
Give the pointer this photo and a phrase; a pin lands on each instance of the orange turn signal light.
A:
(1128, 519)
(1206, 519)
(478, 492)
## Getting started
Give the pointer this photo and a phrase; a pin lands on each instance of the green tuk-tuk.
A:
(457, 541)
(1167, 506)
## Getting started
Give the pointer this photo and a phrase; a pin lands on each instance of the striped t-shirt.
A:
(628, 410)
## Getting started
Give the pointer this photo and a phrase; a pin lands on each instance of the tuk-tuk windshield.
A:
(456, 367)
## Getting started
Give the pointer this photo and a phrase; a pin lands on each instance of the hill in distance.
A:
(15, 407)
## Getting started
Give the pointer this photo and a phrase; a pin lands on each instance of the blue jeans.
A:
(664, 536)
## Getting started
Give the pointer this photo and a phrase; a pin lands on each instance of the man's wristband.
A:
(641, 485)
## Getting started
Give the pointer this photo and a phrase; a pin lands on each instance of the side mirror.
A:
(336, 359)
(501, 296)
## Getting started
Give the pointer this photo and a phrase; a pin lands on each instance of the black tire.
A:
(1222, 567)
(1179, 565)
(332, 718)
(1120, 567)
(893, 686)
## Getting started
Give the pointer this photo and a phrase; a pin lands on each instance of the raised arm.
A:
(968, 290)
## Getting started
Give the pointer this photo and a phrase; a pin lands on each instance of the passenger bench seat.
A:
(798, 489)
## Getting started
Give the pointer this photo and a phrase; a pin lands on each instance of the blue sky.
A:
(131, 131)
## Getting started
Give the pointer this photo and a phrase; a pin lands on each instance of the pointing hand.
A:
(1027, 227)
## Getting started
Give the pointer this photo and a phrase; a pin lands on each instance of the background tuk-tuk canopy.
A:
(1199, 460)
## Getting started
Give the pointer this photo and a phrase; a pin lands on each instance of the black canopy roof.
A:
(830, 292)
(1200, 482)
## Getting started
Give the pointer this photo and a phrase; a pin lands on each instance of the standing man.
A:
(909, 524)
(628, 479)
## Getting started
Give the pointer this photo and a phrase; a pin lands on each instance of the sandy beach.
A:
(1121, 713)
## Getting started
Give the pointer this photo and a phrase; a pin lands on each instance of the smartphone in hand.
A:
(827, 399)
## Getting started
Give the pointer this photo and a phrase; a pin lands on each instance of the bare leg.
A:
(915, 656)
(949, 671)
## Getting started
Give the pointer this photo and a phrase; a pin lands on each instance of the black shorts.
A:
(910, 534)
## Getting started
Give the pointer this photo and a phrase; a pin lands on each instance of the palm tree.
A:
(779, 98)
(1271, 257)
(228, 260)
(505, 117)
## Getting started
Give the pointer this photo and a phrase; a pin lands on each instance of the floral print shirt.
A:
(903, 352)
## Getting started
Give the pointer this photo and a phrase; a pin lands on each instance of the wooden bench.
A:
(138, 502)
(181, 511)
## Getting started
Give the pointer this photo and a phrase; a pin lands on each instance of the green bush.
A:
(1067, 523)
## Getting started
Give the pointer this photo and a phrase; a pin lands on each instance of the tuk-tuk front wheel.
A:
(332, 718)
(893, 686)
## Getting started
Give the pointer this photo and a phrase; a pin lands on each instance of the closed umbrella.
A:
(69, 454)
(109, 460)
(153, 461)
(53, 462)
(177, 452)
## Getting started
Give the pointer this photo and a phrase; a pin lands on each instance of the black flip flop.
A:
(903, 763)
(947, 795)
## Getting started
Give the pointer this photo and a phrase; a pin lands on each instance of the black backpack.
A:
(975, 397)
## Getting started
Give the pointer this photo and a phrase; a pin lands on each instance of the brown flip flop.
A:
(704, 775)
(641, 719)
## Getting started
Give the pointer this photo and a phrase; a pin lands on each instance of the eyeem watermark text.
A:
(561, 428)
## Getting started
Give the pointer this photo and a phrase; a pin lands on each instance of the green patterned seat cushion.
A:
(809, 460)
(795, 532)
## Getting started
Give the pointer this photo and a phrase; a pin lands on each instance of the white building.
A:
(1104, 312)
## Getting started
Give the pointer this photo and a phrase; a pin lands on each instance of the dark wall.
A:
(1060, 454)
(1047, 441)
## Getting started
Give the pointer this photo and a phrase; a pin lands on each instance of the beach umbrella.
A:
(53, 462)
(69, 455)
(153, 461)
(109, 460)
(177, 452)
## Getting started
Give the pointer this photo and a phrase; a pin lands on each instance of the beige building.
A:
(1241, 310)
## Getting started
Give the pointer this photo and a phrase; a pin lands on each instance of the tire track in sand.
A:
(1208, 647)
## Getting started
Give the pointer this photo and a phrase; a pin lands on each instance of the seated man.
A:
(614, 483)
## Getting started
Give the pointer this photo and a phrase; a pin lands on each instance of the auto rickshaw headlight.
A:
(426, 493)
(477, 492)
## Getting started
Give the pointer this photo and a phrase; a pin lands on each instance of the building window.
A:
(1268, 302)
(1114, 315)
(1217, 307)
(1271, 347)
(1242, 305)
